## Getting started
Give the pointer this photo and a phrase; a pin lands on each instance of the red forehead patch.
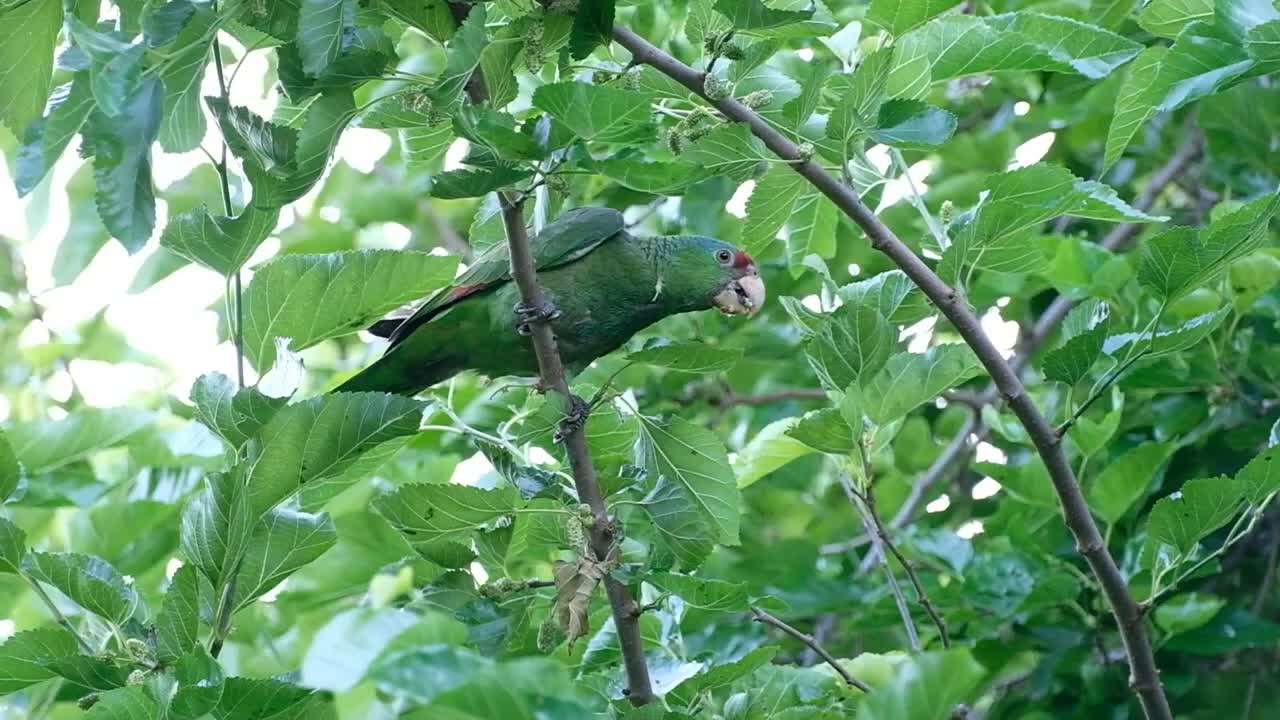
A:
(742, 260)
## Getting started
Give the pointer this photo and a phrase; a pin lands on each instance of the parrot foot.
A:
(577, 417)
(527, 315)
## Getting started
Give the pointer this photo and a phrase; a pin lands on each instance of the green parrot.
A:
(602, 285)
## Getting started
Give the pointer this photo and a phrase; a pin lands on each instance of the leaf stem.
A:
(761, 616)
(859, 503)
(917, 200)
(1144, 675)
(225, 181)
(57, 614)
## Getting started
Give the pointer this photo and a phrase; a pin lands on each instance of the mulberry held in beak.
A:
(743, 296)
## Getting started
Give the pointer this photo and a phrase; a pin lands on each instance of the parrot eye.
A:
(724, 256)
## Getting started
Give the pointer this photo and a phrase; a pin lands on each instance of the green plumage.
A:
(606, 283)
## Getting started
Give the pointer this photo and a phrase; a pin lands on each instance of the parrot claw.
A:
(577, 417)
(526, 315)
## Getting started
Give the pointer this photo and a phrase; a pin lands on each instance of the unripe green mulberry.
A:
(534, 51)
(805, 151)
(631, 81)
(716, 87)
(87, 701)
(137, 648)
(137, 677)
(575, 534)
(548, 635)
(758, 99)
(947, 212)
(675, 141)
(731, 51)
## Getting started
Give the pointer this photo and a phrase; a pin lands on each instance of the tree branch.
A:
(1144, 677)
(225, 180)
(1046, 325)
(551, 371)
(860, 506)
(764, 617)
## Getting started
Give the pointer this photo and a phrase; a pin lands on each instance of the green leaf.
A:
(115, 69)
(755, 15)
(651, 177)
(215, 525)
(1126, 479)
(826, 431)
(423, 674)
(892, 294)
(10, 471)
(28, 35)
(705, 594)
(1187, 516)
(909, 379)
(320, 438)
(1180, 337)
(128, 703)
(220, 243)
(1169, 17)
(89, 581)
(283, 541)
(267, 150)
(1263, 43)
(1084, 332)
(24, 657)
(925, 687)
(730, 150)
(852, 344)
(178, 624)
(860, 96)
(812, 229)
(690, 357)
(769, 207)
(45, 445)
(723, 674)
(183, 125)
(597, 113)
(344, 650)
(1261, 476)
(682, 529)
(311, 298)
(456, 184)
(768, 450)
(200, 685)
(235, 415)
(428, 514)
(46, 138)
(122, 164)
(911, 124)
(251, 699)
(94, 673)
(693, 460)
(465, 49)
(1182, 258)
(899, 17)
(322, 25)
(592, 26)
(1195, 65)
(13, 547)
(1187, 611)
(961, 45)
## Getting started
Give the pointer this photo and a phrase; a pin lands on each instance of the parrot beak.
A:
(744, 296)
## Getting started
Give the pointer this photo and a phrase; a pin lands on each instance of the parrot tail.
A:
(393, 374)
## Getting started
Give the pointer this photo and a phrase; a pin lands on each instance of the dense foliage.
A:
(1100, 175)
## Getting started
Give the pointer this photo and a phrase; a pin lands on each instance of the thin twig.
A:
(1264, 587)
(1144, 676)
(886, 543)
(603, 533)
(859, 503)
(762, 616)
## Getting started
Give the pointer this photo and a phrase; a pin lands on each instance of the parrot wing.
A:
(572, 235)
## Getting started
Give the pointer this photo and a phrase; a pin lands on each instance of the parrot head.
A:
(718, 275)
